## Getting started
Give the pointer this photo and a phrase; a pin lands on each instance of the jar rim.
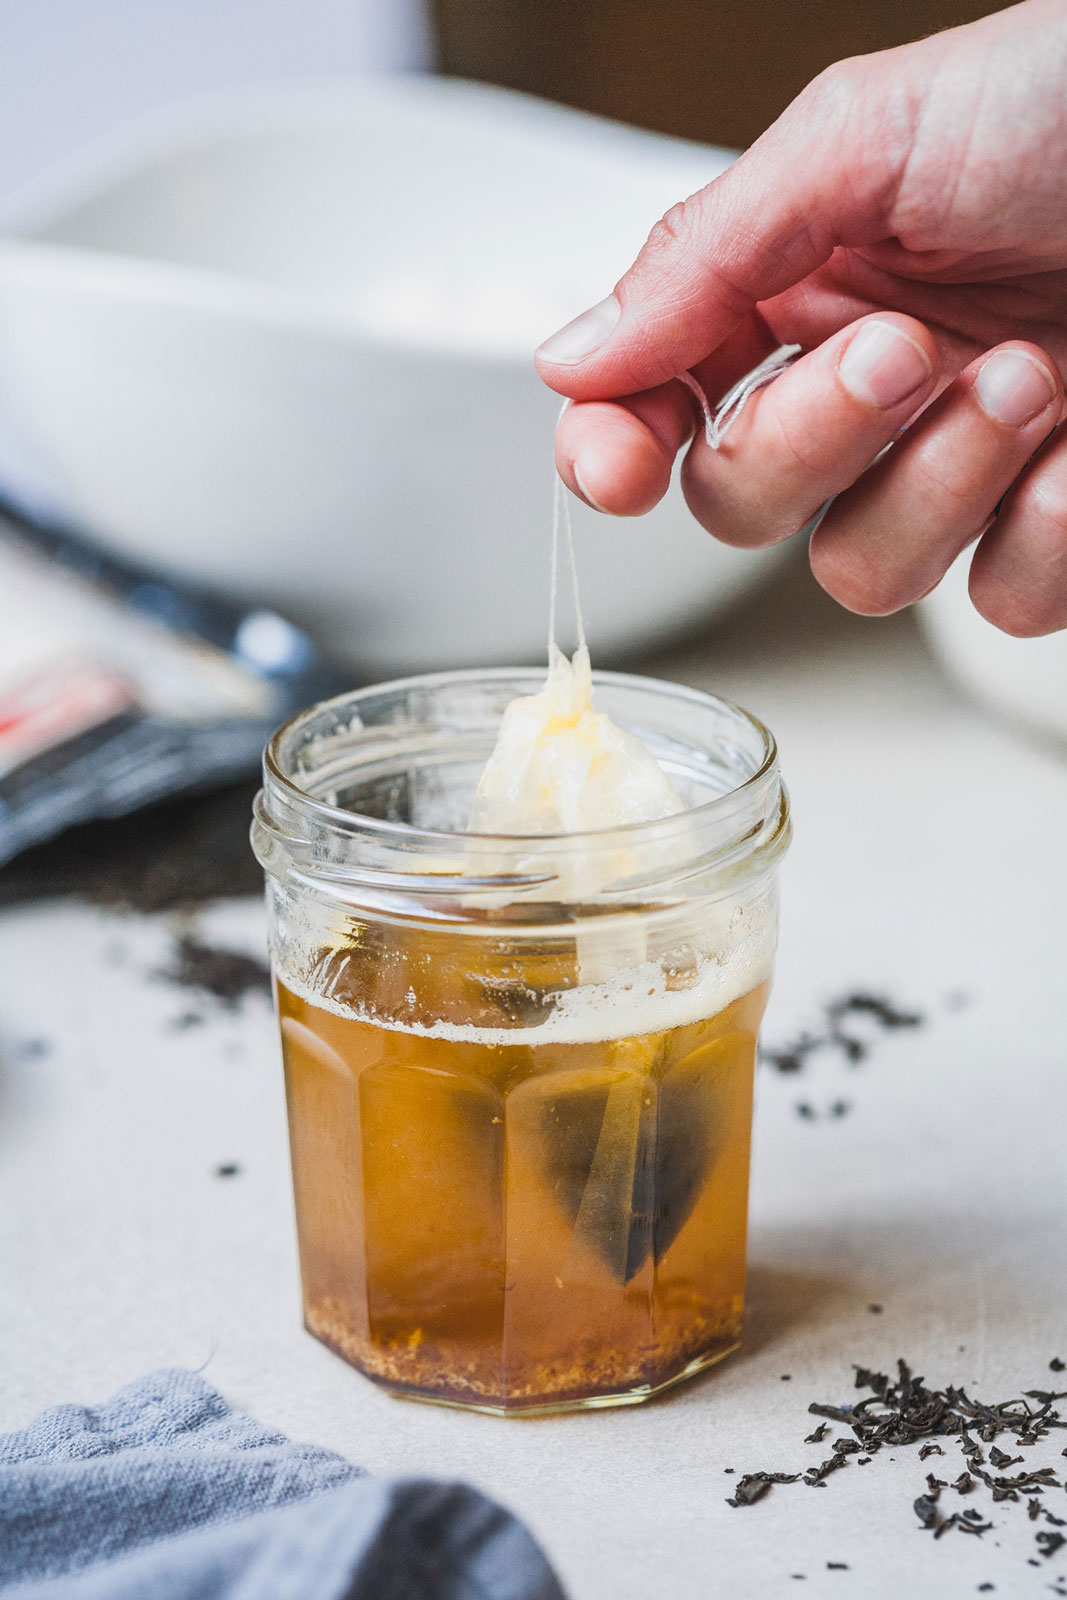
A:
(358, 858)
(631, 833)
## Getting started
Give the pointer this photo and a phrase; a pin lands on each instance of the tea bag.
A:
(560, 766)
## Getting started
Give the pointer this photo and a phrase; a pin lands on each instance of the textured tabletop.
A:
(927, 1179)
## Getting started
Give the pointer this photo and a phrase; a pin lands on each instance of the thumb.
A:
(823, 175)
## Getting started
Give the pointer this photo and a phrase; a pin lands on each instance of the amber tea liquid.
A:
(526, 1217)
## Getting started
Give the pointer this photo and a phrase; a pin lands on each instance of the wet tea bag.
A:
(562, 767)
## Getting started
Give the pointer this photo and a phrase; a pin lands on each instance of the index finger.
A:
(812, 182)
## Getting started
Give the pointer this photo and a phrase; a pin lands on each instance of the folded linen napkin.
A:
(166, 1493)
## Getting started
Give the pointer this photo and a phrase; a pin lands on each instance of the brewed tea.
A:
(523, 1215)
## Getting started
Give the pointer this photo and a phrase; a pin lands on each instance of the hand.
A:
(905, 222)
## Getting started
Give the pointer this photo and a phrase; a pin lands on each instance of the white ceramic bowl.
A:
(1023, 680)
(284, 347)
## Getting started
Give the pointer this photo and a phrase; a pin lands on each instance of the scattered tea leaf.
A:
(754, 1485)
(227, 975)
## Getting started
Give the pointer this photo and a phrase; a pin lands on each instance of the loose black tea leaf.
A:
(835, 1413)
(186, 1020)
(228, 975)
(754, 1485)
(1056, 1365)
(927, 1512)
(834, 1038)
(792, 1057)
(876, 1309)
(837, 1566)
(971, 1522)
(903, 1410)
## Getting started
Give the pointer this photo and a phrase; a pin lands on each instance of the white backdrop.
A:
(73, 69)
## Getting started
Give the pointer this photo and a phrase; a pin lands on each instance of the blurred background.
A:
(270, 279)
(713, 70)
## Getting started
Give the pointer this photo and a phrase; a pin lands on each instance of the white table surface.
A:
(929, 863)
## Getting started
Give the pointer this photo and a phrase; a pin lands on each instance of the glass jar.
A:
(519, 1071)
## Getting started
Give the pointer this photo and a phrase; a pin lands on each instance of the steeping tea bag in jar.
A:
(519, 1048)
(559, 766)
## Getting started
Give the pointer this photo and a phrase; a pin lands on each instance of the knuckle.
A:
(835, 90)
(672, 232)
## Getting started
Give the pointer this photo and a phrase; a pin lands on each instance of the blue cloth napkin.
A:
(166, 1493)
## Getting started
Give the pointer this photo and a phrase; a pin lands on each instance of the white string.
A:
(717, 422)
(719, 419)
(561, 515)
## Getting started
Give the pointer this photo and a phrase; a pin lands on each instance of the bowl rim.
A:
(150, 141)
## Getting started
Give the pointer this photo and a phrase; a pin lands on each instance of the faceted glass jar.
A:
(519, 1071)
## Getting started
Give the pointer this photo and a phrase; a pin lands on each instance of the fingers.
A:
(618, 458)
(888, 540)
(1019, 572)
(618, 455)
(823, 175)
(812, 432)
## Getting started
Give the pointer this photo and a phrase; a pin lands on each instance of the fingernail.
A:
(584, 335)
(1012, 387)
(592, 499)
(882, 365)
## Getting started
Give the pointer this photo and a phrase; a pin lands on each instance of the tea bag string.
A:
(561, 520)
(718, 420)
